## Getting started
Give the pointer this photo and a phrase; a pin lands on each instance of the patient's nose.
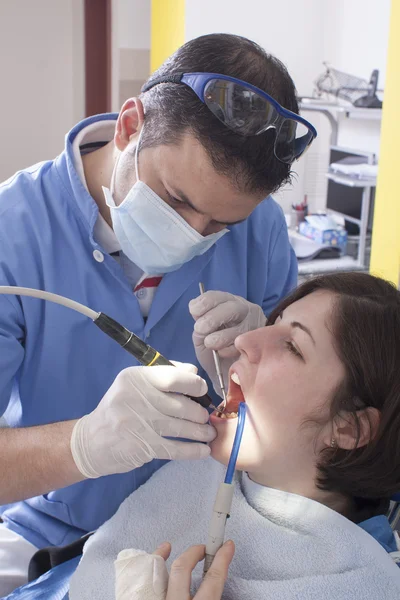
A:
(251, 343)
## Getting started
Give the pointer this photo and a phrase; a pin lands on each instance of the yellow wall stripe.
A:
(385, 257)
(167, 29)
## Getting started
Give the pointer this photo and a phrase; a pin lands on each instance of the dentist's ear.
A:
(129, 123)
(356, 430)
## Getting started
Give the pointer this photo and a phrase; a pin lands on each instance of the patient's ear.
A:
(346, 432)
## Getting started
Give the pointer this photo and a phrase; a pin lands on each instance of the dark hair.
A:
(171, 109)
(366, 329)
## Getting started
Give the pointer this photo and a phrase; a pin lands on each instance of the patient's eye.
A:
(292, 348)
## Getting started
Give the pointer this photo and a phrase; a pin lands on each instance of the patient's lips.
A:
(234, 398)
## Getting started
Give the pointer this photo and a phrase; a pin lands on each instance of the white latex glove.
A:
(143, 404)
(220, 318)
(140, 576)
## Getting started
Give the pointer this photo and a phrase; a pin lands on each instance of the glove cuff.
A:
(261, 319)
(78, 446)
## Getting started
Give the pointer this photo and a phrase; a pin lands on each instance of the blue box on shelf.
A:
(324, 230)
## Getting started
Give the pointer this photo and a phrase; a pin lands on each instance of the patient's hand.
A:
(180, 577)
(142, 576)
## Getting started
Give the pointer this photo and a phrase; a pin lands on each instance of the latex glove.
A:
(143, 404)
(142, 576)
(220, 318)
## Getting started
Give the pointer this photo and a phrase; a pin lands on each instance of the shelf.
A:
(351, 112)
(344, 216)
(329, 265)
(351, 181)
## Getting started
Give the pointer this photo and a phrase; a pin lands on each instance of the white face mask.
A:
(151, 233)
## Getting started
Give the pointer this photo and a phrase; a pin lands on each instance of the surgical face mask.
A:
(151, 233)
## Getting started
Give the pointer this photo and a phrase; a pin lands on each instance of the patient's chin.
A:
(221, 450)
(251, 453)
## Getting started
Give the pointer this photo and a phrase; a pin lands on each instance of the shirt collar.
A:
(66, 167)
(99, 131)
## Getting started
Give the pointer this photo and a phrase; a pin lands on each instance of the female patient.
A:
(320, 454)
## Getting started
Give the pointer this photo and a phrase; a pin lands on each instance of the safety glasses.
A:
(247, 110)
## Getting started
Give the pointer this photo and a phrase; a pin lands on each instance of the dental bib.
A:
(287, 546)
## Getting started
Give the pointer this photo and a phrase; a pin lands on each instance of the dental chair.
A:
(394, 512)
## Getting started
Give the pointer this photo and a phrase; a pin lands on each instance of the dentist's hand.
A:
(129, 427)
(142, 576)
(220, 318)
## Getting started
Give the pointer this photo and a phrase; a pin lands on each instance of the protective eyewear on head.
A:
(247, 110)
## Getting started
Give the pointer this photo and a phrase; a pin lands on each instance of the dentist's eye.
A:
(292, 348)
(172, 199)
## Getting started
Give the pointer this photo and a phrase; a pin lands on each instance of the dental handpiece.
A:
(217, 364)
(143, 353)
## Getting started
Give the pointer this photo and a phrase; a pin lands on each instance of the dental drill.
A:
(148, 356)
(143, 353)
(223, 500)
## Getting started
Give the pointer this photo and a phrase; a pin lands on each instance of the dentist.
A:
(138, 209)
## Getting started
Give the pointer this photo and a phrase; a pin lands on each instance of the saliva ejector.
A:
(223, 500)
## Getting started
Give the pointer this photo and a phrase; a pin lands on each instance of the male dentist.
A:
(138, 209)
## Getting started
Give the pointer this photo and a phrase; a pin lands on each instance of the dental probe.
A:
(217, 362)
(223, 501)
(143, 353)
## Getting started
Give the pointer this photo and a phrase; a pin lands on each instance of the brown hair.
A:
(366, 328)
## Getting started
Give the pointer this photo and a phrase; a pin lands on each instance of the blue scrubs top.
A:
(56, 365)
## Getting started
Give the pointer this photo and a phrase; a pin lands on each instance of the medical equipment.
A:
(144, 353)
(247, 110)
(221, 407)
(223, 501)
(359, 92)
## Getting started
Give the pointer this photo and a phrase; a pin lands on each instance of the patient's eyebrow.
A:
(298, 325)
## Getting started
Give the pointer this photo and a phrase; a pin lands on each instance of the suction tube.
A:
(230, 471)
(223, 501)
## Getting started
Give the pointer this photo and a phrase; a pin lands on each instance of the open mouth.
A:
(234, 398)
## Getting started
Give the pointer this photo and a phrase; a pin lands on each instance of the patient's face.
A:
(288, 373)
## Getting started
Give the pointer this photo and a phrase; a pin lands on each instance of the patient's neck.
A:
(306, 486)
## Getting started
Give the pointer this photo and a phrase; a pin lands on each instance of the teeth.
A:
(235, 378)
(231, 415)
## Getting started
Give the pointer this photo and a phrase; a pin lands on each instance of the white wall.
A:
(134, 23)
(356, 36)
(131, 40)
(290, 29)
(42, 78)
(115, 58)
(356, 42)
(350, 34)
